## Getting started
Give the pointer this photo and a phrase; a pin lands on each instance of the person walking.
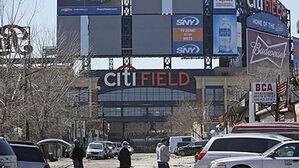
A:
(164, 154)
(124, 156)
(157, 151)
(77, 155)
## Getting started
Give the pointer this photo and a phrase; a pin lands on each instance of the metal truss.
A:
(208, 62)
(111, 63)
(167, 63)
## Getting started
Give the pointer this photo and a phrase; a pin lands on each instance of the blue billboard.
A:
(268, 23)
(88, 7)
(187, 35)
(225, 35)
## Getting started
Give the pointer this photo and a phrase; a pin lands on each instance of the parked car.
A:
(233, 145)
(192, 148)
(282, 155)
(29, 155)
(117, 147)
(96, 150)
(7, 155)
(109, 148)
(173, 142)
(131, 149)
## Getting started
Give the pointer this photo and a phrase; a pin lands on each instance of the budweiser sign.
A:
(266, 51)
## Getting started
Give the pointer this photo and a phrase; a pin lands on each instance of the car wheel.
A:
(182, 153)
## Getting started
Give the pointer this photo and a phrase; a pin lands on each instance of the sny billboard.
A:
(225, 35)
(88, 7)
(187, 35)
(267, 53)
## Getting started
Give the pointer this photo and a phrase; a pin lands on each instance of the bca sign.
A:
(264, 92)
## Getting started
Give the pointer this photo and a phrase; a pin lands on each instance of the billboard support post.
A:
(251, 108)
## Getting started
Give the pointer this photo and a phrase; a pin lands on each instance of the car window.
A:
(5, 148)
(254, 145)
(28, 154)
(95, 146)
(289, 150)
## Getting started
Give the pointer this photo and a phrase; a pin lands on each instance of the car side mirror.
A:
(272, 155)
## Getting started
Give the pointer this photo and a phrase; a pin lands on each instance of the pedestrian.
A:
(164, 154)
(157, 150)
(124, 156)
(77, 155)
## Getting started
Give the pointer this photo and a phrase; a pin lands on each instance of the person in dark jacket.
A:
(124, 156)
(77, 155)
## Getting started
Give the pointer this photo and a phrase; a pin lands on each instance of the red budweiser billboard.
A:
(267, 53)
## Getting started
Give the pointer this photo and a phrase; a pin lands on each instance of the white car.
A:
(283, 155)
(117, 147)
(96, 150)
(234, 145)
(7, 155)
(29, 155)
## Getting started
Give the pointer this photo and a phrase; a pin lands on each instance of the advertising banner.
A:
(225, 35)
(264, 92)
(296, 56)
(88, 7)
(266, 53)
(187, 34)
(268, 23)
(129, 77)
(224, 4)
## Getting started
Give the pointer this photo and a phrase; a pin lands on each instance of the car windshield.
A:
(5, 149)
(96, 146)
(28, 154)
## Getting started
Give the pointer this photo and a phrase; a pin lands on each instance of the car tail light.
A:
(47, 166)
(201, 155)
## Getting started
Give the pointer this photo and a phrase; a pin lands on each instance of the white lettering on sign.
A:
(110, 80)
(257, 4)
(275, 53)
(188, 21)
(188, 49)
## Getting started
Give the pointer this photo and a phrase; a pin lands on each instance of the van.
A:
(287, 129)
(173, 142)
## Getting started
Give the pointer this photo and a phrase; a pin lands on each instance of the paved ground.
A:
(138, 161)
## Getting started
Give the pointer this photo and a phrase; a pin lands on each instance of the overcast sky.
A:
(45, 19)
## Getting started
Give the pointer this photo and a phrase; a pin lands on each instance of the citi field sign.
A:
(274, 7)
(129, 77)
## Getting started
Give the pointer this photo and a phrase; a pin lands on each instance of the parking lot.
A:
(138, 161)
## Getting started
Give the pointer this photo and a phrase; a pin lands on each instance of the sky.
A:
(45, 20)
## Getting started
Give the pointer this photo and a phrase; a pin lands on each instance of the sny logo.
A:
(188, 21)
(188, 49)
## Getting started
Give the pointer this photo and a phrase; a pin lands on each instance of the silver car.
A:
(8, 159)
(95, 150)
(234, 145)
(283, 155)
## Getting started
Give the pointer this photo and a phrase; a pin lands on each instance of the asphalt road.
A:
(138, 161)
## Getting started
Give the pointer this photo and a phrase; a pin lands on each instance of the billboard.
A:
(296, 56)
(105, 34)
(224, 4)
(151, 35)
(187, 6)
(264, 92)
(127, 76)
(225, 35)
(266, 53)
(187, 34)
(268, 23)
(88, 7)
(147, 7)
